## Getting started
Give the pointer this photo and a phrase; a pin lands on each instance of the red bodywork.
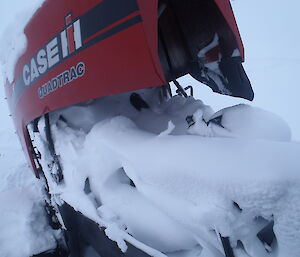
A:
(120, 54)
(225, 7)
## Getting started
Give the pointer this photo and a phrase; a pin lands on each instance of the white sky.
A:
(270, 28)
(271, 37)
(270, 31)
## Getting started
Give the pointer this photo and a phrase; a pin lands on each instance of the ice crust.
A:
(185, 179)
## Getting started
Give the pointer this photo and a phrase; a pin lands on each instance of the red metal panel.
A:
(150, 18)
(120, 56)
(114, 40)
(226, 10)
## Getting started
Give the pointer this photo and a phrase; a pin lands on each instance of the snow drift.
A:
(174, 187)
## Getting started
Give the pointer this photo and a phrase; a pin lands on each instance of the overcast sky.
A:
(270, 28)
(270, 31)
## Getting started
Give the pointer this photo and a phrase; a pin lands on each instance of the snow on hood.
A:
(13, 41)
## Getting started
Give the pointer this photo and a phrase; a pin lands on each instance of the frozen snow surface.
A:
(23, 226)
(175, 188)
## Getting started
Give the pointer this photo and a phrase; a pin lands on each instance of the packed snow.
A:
(174, 187)
(24, 227)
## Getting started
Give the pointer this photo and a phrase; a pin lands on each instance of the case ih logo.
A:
(71, 36)
(79, 34)
(62, 45)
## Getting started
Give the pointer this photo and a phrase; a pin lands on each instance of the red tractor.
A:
(124, 46)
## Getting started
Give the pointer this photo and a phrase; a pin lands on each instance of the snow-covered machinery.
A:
(123, 46)
(117, 57)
